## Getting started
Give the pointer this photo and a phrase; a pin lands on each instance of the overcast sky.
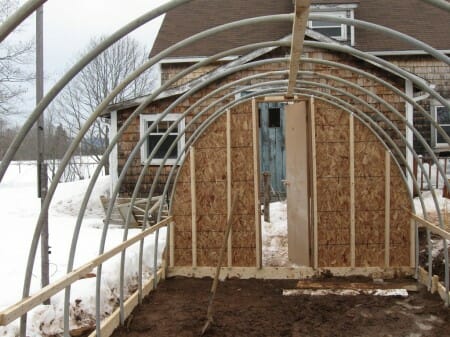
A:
(69, 26)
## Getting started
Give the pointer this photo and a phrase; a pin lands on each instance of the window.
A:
(274, 118)
(157, 133)
(331, 29)
(442, 117)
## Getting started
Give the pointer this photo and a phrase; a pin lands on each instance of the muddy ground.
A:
(258, 308)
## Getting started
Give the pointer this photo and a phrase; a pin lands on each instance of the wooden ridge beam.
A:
(298, 36)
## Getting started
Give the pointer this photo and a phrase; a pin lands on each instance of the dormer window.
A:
(334, 30)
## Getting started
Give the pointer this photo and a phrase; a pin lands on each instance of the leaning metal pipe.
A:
(14, 20)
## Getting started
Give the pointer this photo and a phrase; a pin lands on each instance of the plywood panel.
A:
(244, 239)
(183, 239)
(333, 236)
(182, 199)
(246, 202)
(210, 239)
(185, 174)
(241, 130)
(400, 227)
(331, 133)
(183, 257)
(333, 194)
(330, 116)
(211, 170)
(399, 194)
(241, 166)
(211, 222)
(211, 198)
(399, 255)
(369, 227)
(369, 159)
(369, 255)
(334, 255)
(215, 139)
(208, 257)
(244, 257)
(182, 222)
(363, 134)
(369, 194)
(244, 223)
(334, 220)
(333, 159)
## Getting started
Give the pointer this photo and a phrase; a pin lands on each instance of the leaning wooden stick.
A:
(212, 294)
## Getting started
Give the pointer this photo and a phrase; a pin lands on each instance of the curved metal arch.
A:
(439, 4)
(83, 62)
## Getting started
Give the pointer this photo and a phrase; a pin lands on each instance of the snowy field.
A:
(20, 209)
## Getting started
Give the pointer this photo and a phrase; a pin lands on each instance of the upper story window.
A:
(442, 117)
(335, 30)
(161, 129)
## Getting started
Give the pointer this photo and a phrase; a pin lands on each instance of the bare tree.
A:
(94, 83)
(15, 54)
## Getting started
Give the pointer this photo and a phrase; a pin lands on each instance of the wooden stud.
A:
(172, 245)
(256, 184)
(387, 210)
(194, 207)
(298, 36)
(229, 187)
(312, 117)
(352, 193)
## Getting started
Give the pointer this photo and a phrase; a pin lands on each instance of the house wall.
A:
(211, 178)
(435, 72)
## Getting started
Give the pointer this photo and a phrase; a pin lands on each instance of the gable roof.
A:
(413, 17)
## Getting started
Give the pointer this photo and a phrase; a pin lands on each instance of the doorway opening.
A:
(285, 194)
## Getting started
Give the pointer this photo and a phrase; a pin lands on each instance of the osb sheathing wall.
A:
(211, 204)
(211, 179)
(334, 199)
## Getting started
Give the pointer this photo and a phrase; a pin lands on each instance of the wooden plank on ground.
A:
(307, 284)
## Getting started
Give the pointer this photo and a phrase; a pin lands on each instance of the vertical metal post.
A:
(267, 178)
(41, 165)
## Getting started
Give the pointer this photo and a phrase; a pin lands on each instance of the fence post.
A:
(266, 181)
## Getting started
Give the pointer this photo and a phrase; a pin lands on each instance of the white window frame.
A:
(434, 109)
(344, 32)
(144, 119)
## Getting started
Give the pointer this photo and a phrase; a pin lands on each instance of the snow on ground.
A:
(274, 237)
(20, 209)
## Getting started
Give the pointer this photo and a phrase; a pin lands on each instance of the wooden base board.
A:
(289, 273)
(110, 324)
(433, 285)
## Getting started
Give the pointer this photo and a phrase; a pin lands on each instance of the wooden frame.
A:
(312, 115)
(256, 183)
(387, 209)
(352, 193)
(193, 207)
(229, 188)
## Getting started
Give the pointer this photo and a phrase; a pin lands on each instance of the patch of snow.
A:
(20, 210)
(346, 292)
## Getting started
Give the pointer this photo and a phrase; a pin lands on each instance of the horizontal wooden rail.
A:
(432, 227)
(22, 307)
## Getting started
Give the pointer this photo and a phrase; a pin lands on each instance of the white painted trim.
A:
(114, 156)
(352, 30)
(333, 13)
(433, 107)
(142, 128)
(333, 7)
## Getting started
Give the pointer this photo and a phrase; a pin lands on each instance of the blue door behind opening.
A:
(272, 145)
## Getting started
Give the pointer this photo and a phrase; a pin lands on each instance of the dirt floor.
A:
(258, 308)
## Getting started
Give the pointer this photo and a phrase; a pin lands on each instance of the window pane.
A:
(153, 140)
(325, 24)
(331, 32)
(439, 138)
(274, 118)
(443, 115)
